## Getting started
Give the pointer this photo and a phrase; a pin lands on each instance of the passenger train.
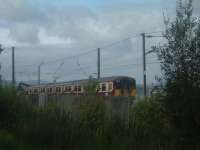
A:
(106, 86)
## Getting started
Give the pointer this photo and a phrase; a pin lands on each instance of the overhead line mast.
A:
(13, 66)
(98, 65)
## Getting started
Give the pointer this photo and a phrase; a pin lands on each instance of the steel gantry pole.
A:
(98, 64)
(13, 66)
(144, 64)
(39, 72)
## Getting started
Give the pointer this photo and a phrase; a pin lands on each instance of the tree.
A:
(180, 64)
(150, 121)
(1, 50)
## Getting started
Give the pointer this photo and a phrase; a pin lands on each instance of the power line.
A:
(59, 67)
(85, 53)
(130, 37)
(154, 32)
(82, 69)
(120, 41)
(88, 52)
(62, 59)
(92, 68)
(131, 64)
(70, 57)
(113, 66)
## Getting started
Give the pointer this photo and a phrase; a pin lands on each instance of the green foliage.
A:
(180, 59)
(89, 127)
(150, 116)
(151, 124)
(7, 141)
(13, 108)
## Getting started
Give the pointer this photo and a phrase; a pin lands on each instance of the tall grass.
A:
(89, 126)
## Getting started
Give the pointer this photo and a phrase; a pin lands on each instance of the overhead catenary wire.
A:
(110, 67)
(82, 69)
(62, 60)
(59, 67)
(84, 53)
(92, 68)
(119, 41)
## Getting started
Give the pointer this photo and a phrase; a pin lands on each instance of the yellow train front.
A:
(124, 86)
(107, 86)
(118, 86)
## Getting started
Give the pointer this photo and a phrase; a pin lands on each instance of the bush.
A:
(13, 109)
(88, 126)
(150, 124)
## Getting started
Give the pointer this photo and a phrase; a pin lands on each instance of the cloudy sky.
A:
(52, 31)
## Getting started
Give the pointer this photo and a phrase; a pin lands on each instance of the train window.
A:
(42, 90)
(35, 91)
(50, 90)
(58, 89)
(118, 84)
(110, 86)
(66, 89)
(103, 87)
(75, 88)
(79, 88)
(69, 88)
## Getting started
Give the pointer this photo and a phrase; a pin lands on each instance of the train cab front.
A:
(125, 86)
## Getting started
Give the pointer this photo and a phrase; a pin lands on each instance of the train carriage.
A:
(107, 86)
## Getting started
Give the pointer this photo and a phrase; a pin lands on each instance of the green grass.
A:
(90, 126)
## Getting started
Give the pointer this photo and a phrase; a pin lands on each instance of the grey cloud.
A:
(88, 29)
(24, 33)
(197, 6)
(22, 20)
(78, 23)
(92, 30)
(19, 11)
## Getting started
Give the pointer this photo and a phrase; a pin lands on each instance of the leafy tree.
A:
(151, 123)
(180, 63)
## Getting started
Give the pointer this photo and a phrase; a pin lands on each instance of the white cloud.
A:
(4, 37)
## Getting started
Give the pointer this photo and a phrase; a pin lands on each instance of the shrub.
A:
(13, 109)
(150, 124)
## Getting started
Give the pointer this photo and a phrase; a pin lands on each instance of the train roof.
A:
(83, 81)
